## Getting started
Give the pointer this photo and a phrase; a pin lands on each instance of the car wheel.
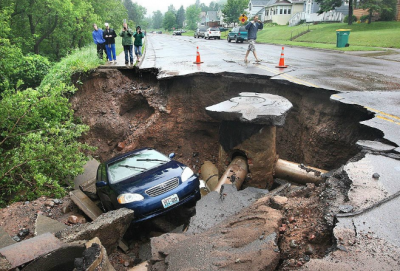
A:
(228, 39)
(219, 38)
(236, 40)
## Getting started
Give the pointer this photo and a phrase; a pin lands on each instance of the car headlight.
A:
(128, 198)
(186, 174)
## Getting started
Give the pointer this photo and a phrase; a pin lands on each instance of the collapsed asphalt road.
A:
(127, 109)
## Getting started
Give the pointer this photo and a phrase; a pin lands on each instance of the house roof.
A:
(212, 16)
(282, 3)
(259, 2)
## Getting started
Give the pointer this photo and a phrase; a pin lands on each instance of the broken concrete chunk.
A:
(109, 228)
(239, 248)
(45, 224)
(251, 107)
(278, 202)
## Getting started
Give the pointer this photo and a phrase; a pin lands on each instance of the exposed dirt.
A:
(128, 110)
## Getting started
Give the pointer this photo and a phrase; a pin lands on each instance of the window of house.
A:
(281, 11)
(289, 11)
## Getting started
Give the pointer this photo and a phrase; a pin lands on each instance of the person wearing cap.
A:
(127, 42)
(109, 36)
(138, 36)
(98, 39)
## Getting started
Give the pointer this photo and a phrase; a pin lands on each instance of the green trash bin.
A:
(342, 37)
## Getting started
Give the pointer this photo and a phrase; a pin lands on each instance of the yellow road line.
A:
(379, 113)
(395, 122)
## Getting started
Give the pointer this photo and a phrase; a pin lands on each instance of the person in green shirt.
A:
(126, 34)
(138, 36)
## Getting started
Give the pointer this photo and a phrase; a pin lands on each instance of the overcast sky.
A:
(162, 5)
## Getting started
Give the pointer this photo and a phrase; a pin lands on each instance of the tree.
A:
(136, 12)
(172, 9)
(375, 6)
(180, 17)
(389, 13)
(54, 28)
(169, 21)
(233, 9)
(39, 149)
(157, 19)
(192, 16)
(328, 5)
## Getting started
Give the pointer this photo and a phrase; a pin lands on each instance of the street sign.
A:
(243, 18)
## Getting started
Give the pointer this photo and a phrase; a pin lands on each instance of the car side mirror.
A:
(101, 184)
(171, 155)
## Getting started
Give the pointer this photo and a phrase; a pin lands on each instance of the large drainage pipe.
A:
(297, 173)
(209, 174)
(234, 174)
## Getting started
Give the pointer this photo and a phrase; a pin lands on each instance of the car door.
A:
(103, 190)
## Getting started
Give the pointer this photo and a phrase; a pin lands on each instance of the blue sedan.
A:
(146, 181)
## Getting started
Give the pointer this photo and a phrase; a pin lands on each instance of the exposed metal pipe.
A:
(209, 174)
(297, 173)
(234, 174)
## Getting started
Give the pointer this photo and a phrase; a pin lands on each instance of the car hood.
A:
(148, 179)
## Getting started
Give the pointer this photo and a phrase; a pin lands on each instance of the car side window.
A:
(102, 173)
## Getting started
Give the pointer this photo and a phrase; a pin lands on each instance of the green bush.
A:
(39, 149)
(364, 18)
(19, 71)
(346, 19)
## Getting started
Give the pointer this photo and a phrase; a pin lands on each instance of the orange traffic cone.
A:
(281, 61)
(198, 61)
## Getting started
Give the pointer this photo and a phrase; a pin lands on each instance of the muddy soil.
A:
(127, 110)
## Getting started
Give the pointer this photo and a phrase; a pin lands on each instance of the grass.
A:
(79, 61)
(362, 36)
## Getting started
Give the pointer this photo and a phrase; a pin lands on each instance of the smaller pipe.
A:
(297, 173)
(234, 174)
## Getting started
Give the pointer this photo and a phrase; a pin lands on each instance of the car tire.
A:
(219, 38)
(236, 40)
(228, 39)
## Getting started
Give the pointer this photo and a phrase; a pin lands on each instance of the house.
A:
(212, 19)
(293, 12)
(281, 11)
(310, 13)
(257, 7)
(202, 18)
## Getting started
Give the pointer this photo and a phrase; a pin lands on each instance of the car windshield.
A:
(214, 29)
(242, 29)
(135, 164)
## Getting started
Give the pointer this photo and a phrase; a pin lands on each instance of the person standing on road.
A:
(252, 28)
(138, 42)
(109, 36)
(99, 41)
(127, 42)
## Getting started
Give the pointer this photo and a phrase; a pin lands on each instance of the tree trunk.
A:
(370, 16)
(350, 12)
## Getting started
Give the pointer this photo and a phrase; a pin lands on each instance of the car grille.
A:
(162, 188)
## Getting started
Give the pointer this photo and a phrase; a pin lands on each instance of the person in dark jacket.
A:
(252, 28)
(127, 42)
(109, 36)
(98, 39)
(138, 36)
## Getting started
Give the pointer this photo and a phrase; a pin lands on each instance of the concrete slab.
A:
(375, 146)
(45, 224)
(5, 238)
(214, 208)
(85, 204)
(250, 107)
(367, 190)
(381, 222)
(30, 249)
(90, 171)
